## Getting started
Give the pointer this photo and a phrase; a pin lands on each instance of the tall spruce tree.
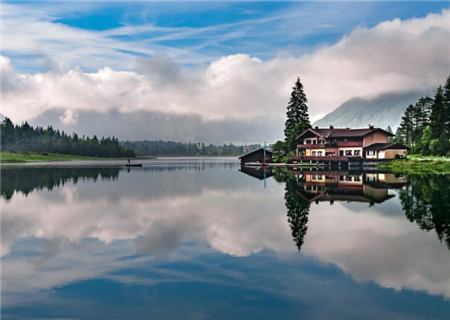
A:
(437, 118)
(297, 115)
(446, 102)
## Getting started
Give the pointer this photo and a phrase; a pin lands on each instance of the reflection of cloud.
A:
(374, 247)
(159, 225)
(368, 245)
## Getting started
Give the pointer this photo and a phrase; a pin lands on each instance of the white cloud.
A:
(392, 56)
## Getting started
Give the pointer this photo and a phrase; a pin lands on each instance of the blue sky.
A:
(199, 32)
(215, 50)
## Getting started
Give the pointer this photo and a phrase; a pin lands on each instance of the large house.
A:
(330, 144)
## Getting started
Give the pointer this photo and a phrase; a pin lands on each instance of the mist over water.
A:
(206, 238)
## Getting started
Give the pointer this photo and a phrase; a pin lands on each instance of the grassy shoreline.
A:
(29, 157)
(418, 165)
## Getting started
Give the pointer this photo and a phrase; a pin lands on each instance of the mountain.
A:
(381, 111)
(148, 125)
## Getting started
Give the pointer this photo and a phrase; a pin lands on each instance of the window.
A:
(313, 177)
(321, 141)
(314, 141)
(348, 152)
(308, 141)
(356, 152)
(314, 153)
(348, 178)
(319, 153)
(370, 152)
(319, 177)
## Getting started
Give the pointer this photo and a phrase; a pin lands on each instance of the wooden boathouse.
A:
(256, 155)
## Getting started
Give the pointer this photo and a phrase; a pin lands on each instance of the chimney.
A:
(316, 127)
(370, 127)
(331, 127)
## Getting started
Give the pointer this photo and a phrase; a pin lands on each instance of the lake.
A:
(204, 238)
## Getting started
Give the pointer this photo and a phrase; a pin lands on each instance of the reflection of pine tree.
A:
(426, 201)
(298, 211)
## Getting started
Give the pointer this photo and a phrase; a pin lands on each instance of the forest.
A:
(171, 148)
(29, 139)
(425, 126)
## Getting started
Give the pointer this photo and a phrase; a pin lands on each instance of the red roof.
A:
(341, 132)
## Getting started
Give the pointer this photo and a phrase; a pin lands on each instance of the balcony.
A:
(326, 158)
(348, 144)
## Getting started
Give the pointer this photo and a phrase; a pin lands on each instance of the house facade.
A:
(347, 144)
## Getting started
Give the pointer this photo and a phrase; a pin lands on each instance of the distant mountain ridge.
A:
(381, 111)
(152, 125)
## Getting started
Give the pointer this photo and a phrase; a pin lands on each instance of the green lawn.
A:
(9, 157)
(418, 165)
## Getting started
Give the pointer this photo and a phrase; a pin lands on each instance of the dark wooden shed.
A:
(257, 155)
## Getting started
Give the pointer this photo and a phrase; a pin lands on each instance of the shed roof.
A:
(268, 152)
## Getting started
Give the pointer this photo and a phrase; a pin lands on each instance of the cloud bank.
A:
(392, 56)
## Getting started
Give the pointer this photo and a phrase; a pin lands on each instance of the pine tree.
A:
(437, 118)
(405, 130)
(297, 115)
(446, 102)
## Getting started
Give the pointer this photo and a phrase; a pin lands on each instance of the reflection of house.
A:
(258, 173)
(257, 155)
(347, 144)
(345, 186)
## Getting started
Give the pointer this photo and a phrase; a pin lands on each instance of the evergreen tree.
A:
(405, 130)
(297, 115)
(437, 118)
(446, 102)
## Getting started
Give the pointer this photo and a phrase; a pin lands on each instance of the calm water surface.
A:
(207, 239)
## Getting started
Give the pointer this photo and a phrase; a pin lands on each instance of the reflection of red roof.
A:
(337, 133)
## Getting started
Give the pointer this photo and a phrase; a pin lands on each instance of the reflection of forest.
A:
(426, 201)
(27, 179)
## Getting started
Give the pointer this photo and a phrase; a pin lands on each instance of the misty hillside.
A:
(382, 111)
(148, 125)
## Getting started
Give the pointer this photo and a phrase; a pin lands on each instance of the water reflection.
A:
(426, 201)
(26, 179)
(181, 234)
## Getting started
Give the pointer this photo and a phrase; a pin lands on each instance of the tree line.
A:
(171, 148)
(425, 126)
(30, 139)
